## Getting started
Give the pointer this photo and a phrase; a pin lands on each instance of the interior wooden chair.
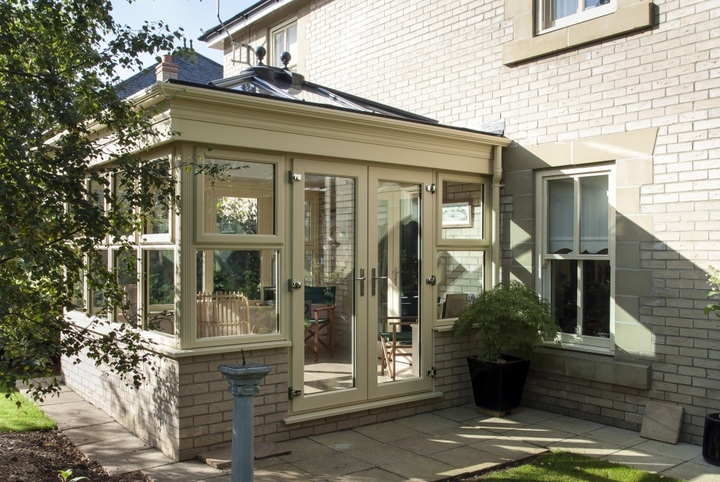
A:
(319, 318)
(396, 342)
(222, 314)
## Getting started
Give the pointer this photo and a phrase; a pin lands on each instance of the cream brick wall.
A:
(185, 408)
(150, 412)
(443, 59)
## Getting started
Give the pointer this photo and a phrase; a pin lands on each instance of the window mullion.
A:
(576, 251)
(578, 328)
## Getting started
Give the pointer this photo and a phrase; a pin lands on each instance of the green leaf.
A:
(57, 72)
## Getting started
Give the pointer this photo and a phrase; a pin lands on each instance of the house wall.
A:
(644, 98)
(185, 409)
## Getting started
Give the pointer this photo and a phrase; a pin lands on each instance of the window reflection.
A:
(160, 285)
(126, 269)
(461, 280)
(462, 210)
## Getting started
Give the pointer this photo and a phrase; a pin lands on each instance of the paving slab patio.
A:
(426, 447)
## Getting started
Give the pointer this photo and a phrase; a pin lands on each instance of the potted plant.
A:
(510, 320)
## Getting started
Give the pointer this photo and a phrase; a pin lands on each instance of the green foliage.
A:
(65, 475)
(508, 318)
(18, 414)
(714, 281)
(569, 467)
(57, 96)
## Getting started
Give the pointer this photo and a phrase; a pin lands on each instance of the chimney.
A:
(166, 69)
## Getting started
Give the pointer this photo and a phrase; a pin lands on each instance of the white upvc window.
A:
(284, 39)
(561, 13)
(576, 252)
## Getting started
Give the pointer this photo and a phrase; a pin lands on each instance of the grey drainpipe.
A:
(495, 228)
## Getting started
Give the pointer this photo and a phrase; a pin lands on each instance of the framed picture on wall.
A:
(457, 215)
(455, 304)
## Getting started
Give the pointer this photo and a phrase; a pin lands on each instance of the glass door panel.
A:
(328, 308)
(396, 278)
(400, 303)
(326, 337)
(358, 294)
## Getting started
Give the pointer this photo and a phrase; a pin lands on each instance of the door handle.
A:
(361, 279)
(375, 278)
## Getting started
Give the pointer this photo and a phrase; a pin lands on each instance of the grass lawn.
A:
(569, 467)
(27, 417)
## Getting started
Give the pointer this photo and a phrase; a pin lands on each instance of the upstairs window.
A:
(561, 13)
(284, 39)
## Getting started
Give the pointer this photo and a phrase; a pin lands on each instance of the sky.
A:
(193, 16)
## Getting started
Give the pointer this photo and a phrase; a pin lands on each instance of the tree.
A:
(57, 95)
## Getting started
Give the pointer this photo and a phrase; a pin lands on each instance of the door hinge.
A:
(431, 188)
(292, 393)
(294, 177)
(431, 373)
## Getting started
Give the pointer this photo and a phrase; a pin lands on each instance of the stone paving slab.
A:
(339, 464)
(537, 435)
(429, 423)
(304, 448)
(65, 396)
(617, 436)
(129, 462)
(699, 471)
(419, 467)
(585, 446)
(426, 447)
(371, 475)
(512, 450)
(96, 433)
(345, 440)
(75, 414)
(388, 431)
(571, 425)
(193, 470)
(644, 461)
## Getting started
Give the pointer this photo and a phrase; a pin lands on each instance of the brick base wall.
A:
(150, 412)
(185, 408)
(580, 398)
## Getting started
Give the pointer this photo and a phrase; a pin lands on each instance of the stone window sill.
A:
(626, 19)
(594, 368)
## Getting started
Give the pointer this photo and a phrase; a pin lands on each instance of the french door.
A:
(358, 236)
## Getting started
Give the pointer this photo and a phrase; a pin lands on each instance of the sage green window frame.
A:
(459, 192)
(266, 242)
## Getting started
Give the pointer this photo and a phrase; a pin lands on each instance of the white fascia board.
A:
(217, 39)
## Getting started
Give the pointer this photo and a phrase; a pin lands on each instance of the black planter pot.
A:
(498, 387)
(711, 439)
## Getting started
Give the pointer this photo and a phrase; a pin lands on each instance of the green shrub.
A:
(510, 317)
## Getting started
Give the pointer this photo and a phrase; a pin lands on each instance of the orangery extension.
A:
(316, 232)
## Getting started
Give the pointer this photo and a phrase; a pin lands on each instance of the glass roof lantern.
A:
(282, 83)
